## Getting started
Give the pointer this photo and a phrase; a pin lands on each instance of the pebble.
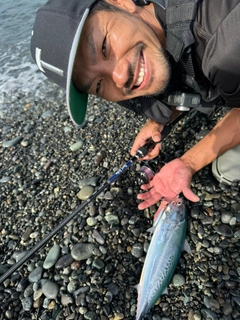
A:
(5, 179)
(85, 192)
(226, 216)
(224, 230)
(137, 250)
(36, 274)
(112, 219)
(11, 143)
(50, 289)
(92, 181)
(178, 280)
(91, 221)
(64, 261)
(27, 303)
(52, 257)
(82, 251)
(96, 235)
(47, 114)
(76, 146)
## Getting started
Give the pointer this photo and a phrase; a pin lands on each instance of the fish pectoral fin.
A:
(165, 291)
(151, 230)
(137, 287)
(187, 248)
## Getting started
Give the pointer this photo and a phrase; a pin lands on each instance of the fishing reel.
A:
(148, 169)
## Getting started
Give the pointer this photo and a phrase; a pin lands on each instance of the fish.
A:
(166, 246)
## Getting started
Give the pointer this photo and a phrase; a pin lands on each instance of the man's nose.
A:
(120, 73)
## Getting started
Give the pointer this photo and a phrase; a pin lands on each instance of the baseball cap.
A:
(54, 43)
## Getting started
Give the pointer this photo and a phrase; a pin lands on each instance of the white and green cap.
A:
(54, 43)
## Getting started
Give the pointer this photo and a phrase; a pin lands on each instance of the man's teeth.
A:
(141, 74)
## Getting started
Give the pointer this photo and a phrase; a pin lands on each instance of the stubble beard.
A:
(162, 74)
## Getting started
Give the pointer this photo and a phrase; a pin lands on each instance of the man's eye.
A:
(98, 86)
(104, 48)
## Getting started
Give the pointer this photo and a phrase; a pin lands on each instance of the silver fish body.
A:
(163, 255)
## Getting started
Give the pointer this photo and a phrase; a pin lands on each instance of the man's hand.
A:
(151, 130)
(175, 177)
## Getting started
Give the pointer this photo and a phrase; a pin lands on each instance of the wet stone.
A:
(75, 146)
(137, 250)
(98, 263)
(113, 288)
(5, 179)
(91, 221)
(224, 230)
(178, 280)
(52, 257)
(82, 251)
(47, 114)
(226, 216)
(64, 261)
(37, 294)
(214, 303)
(209, 314)
(35, 275)
(28, 291)
(112, 219)
(108, 195)
(66, 299)
(18, 255)
(11, 143)
(237, 234)
(27, 303)
(50, 289)
(227, 309)
(89, 181)
(72, 286)
(26, 234)
(97, 236)
(235, 207)
(85, 192)
(90, 315)
(3, 268)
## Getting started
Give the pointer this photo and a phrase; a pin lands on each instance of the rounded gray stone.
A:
(50, 289)
(52, 257)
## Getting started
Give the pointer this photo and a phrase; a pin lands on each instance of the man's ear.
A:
(127, 5)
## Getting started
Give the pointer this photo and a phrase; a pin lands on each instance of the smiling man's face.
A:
(119, 57)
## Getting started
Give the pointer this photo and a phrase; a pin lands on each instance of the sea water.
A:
(19, 74)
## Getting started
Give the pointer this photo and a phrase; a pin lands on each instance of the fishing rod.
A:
(141, 152)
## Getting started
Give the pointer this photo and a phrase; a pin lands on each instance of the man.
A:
(129, 53)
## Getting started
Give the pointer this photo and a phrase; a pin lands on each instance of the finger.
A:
(145, 186)
(190, 195)
(149, 202)
(148, 194)
(156, 137)
(154, 152)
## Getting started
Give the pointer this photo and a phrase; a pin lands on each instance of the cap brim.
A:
(77, 105)
(76, 101)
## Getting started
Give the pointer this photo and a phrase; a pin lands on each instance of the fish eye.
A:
(179, 203)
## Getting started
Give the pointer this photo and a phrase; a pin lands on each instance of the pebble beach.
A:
(89, 270)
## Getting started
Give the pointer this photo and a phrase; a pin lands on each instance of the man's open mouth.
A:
(141, 74)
